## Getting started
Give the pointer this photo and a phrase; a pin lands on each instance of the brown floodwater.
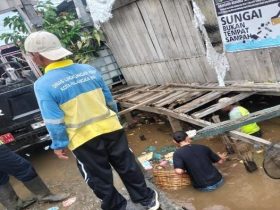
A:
(241, 190)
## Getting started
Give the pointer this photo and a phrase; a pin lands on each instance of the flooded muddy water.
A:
(241, 190)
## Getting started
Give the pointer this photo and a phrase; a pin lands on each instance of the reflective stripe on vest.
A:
(89, 121)
(250, 128)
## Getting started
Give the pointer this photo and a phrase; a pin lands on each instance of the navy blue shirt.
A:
(198, 161)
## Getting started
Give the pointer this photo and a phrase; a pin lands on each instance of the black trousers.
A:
(15, 165)
(257, 134)
(94, 160)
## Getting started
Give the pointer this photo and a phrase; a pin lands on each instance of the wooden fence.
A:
(155, 42)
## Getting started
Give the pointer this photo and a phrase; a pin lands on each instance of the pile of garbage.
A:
(152, 157)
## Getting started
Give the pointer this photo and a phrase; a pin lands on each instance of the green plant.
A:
(83, 42)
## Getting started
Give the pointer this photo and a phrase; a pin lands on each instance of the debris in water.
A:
(259, 151)
(69, 202)
(234, 165)
(53, 208)
(142, 137)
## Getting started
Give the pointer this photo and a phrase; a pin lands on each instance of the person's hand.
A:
(61, 154)
(223, 156)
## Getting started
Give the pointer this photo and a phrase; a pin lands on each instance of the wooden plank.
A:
(173, 21)
(124, 18)
(199, 122)
(230, 125)
(139, 96)
(235, 88)
(175, 124)
(160, 25)
(169, 99)
(139, 33)
(191, 95)
(152, 33)
(180, 100)
(199, 101)
(264, 64)
(188, 75)
(145, 69)
(235, 71)
(194, 66)
(121, 3)
(226, 140)
(195, 36)
(209, 72)
(176, 68)
(126, 89)
(150, 100)
(132, 93)
(275, 59)
(129, 118)
(123, 42)
(166, 73)
(114, 44)
(219, 106)
(142, 94)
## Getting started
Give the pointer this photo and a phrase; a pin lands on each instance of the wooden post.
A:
(128, 118)
(30, 16)
(175, 124)
(226, 140)
(82, 13)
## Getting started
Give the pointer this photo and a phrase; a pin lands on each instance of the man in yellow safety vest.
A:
(236, 112)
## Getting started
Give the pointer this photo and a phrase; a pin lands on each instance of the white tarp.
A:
(216, 60)
(100, 11)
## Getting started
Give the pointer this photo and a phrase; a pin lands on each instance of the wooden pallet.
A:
(188, 102)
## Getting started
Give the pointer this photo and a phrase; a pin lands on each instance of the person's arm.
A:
(235, 114)
(179, 171)
(223, 157)
(178, 164)
(107, 93)
(216, 158)
(53, 117)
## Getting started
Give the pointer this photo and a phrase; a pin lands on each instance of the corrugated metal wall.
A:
(155, 42)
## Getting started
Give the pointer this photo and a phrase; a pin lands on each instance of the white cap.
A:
(224, 100)
(46, 44)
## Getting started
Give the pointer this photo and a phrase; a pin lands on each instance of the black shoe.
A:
(154, 204)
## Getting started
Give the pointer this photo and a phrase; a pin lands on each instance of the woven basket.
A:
(167, 179)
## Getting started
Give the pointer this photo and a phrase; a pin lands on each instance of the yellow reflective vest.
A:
(75, 103)
(238, 112)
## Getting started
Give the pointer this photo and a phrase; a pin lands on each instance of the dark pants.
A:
(15, 165)
(94, 159)
(257, 134)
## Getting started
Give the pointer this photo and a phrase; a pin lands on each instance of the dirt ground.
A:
(241, 190)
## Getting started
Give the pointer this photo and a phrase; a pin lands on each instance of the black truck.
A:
(21, 124)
